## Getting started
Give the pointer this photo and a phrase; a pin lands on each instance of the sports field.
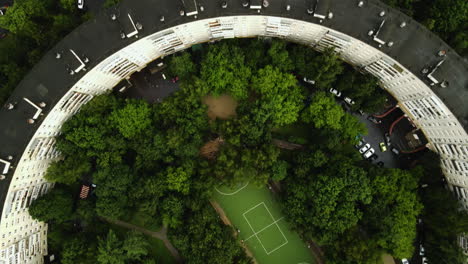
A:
(255, 213)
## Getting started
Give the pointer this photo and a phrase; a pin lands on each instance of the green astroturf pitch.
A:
(255, 213)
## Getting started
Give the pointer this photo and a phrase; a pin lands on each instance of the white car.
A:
(80, 4)
(421, 250)
(424, 260)
(365, 148)
(349, 101)
(309, 80)
(404, 261)
(335, 92)
(369, 153)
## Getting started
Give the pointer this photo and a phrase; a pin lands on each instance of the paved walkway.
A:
(161, 235)
(286, 145)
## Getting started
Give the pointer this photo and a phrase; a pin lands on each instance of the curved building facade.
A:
(429, 80)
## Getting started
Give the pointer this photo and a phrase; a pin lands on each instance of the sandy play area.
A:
(223, 106)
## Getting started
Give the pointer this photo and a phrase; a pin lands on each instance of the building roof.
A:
(413, 46)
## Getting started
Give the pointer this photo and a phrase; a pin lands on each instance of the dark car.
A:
(373, 157)
(3, 10)
(360, 144)
(380, 164)
(387, 140)
(374, 120)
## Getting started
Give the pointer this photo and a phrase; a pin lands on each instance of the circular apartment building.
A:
(429, 80)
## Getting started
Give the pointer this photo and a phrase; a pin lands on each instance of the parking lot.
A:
(390, 118)
(151, 87)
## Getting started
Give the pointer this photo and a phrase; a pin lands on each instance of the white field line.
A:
(238, 190)
(269, 252)
(252, 209)
(274, 223)
(255, 234)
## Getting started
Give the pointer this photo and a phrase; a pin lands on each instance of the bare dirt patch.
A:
(211, 148)
(222, 107)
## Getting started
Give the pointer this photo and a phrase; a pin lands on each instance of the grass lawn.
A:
(140, 219)
(159, 251)
(262, 226)
(297, 129)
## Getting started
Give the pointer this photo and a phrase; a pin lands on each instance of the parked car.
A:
(387, 140)
(364, 148)
(421, 250)
(349, 101)
(335, 92)
(80, 4)
(309, 80)
(383, 147)
(380, 164)
(424, 260)
(395, 150)
(404, 261)
(373, 157)
(3, 10)
(359, 144)
(369, 153)
(374, 120)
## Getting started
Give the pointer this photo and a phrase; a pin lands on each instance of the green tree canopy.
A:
(280, 94)
(132, 119)
(110, 249)
(69, 170)
(178, 178)
(324, 69)
(78, 250)
(26, 18)
(323, 112)
(214, 240)
(280, 56)
(181, 65)
(325, 204)
(135, 246)
(392, 214)
(223, 70)
(55, 206)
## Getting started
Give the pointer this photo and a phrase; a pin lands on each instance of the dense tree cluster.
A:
(362, 88)
(333, 204)
(202, 234)
(145, 161)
